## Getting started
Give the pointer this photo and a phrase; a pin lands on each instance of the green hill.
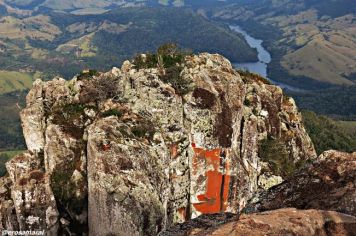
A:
(11, 81)
(64, 44)
(50, 43)
(312, 41)
(10, 128)
(328, 134)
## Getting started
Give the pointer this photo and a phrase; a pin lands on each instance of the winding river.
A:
(264, 57)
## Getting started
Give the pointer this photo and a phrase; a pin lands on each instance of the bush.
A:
(67, 116)
(167, 55)
(73, 109)
(112, 112)
(252, 76)
(274, 152)
(140, 62)
(87, 74)
(170, 55)
(99, 89)
(247, 102)
(173, 77)
(67, 113)
(170, 58)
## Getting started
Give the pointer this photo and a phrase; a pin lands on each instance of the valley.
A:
(311, 45)
(167, 117)
(44, 44)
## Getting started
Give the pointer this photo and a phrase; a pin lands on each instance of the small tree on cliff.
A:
(169, 59)
(274, 152)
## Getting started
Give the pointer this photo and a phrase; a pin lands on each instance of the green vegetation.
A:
(87, 74)
(112, 112)
(150, 61)
(173, 77)
(56, 43)
(274, 152)
(329, 134)
(72, 109)
(59, 43)
(3, 159)
(66, 116)
(337, 102)
(248, 76)
(99, 89)
(64, 44)
(160, 25)
(168, 55)
(62, 187)
(11, 81)
(11, 137)
(11, 153)
(171, 59)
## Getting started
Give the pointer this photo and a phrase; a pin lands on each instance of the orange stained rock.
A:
(217, 189)
(183, 213)
(174, 150)
(106, 147)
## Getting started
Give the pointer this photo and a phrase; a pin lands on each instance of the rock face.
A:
(328, 184)
(27, 200)
(289, 221)
(127, 153)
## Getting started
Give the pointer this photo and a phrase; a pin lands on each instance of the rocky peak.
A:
(137, 149)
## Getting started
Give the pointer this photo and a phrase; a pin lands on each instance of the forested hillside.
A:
(54, 43)
(329, 134)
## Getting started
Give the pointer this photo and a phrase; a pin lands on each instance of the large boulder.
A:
(136, 150)
(288, 221)
(329, 183)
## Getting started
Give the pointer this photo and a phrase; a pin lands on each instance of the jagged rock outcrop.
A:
(327, 184)
(289, 221)
(128, 153)
(27, 200)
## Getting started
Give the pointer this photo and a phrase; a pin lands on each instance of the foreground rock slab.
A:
(327, 184)
(288, 221)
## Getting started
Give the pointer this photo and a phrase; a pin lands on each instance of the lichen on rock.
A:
(132, 151)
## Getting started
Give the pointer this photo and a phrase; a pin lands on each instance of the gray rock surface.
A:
(125, 153)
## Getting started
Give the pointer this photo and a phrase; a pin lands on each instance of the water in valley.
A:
(264, 57)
